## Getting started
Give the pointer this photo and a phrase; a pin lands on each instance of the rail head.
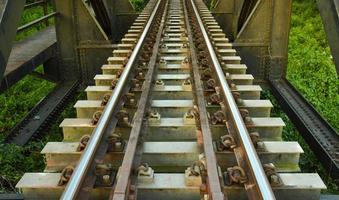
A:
(253, 159)
(73, 187)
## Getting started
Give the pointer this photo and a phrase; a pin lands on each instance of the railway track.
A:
(173, 116)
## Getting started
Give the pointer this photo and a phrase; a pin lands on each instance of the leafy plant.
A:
(17, 101)
(31, 15)
(138, 4)
(310, 68)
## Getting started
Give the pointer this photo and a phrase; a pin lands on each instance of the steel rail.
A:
(87, 157)
(254, 161)
(211, 161)
(139, 127)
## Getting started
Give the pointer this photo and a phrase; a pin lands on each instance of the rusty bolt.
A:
(96, 117)
(105, 99)
(83, 142)
(65, 175)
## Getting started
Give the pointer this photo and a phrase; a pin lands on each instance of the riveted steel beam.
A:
(82, 43)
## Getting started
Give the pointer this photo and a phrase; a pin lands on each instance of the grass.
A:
(30, 15)
(310, 68)
(16, 160)
(138, 4)
(17, 101)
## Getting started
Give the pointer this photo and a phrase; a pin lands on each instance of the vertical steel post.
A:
(278, 50)
(82, 43)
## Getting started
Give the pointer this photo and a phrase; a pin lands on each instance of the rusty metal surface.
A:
(100, 132)
(90, 178)
(247, 153)
(212, 170)
(134, 144)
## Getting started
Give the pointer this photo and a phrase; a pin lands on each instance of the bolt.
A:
(203, 188)
(274, 179)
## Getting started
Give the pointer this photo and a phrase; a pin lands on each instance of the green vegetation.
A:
(15, 160)
(310, 68)
(138, 4)
(312, 71)
(213, 3)
(21, 98)
(31, 15)
(17, 101)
